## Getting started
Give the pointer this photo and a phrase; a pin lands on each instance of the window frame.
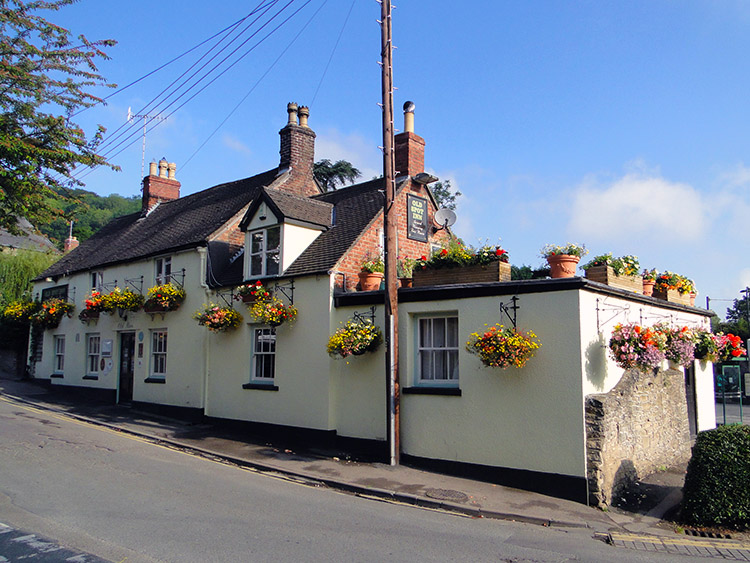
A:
(447, 346)
(162, 270)
(257, 354)
(59, 354)
(264, 253)
(93, 356)
(158, 354)
(97, 281)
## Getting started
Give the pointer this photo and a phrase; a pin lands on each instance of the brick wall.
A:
(369, 241)
(298, 154)
(156, 188)
(639, 426)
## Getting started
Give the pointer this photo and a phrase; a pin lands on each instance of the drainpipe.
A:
(203, 253)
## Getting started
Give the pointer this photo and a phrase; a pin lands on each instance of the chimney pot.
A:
(152, 168)
(163, 168)
(409, 117)
(304, 114)
(291, 109)
(172, 168)
(161, 187)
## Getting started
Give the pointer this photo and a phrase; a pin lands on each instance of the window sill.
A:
(91, 377)
(155, 380)
(450, 391)
(261, 386)
(56, 376)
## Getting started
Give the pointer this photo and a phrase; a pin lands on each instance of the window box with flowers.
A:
(272, 311)
(621, 272)
(50, 312)
(563, 259)
(501, 347)
(251, 292)
(674, 288)
(371, 272)
(94, 306)
(218, 319)
(456, 263)
(355, 338)
(163, 298)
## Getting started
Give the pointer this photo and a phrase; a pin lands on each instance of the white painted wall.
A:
(705, 402)
(185, 368)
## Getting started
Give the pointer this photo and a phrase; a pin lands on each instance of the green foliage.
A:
(444, 194)
(89, 211)
(332, 174)
(44, 79)
(17, 269)
(716, 491)
(737, 319)
(528, 273)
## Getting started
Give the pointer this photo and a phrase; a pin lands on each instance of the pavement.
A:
(641, 527)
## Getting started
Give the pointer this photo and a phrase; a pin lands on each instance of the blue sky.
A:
(621, 125)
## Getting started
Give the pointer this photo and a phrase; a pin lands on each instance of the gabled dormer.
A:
(278, 227)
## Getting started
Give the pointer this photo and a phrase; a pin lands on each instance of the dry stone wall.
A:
(631, 431)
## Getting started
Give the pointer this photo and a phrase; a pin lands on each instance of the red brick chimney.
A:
(409, 146)
(298, 152)
(70, 243)
(163, 187)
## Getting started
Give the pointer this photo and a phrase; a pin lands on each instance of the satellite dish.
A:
(444, 218)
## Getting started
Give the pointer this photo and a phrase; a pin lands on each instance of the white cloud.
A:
(361, 152)
(638, 206)
(234, 144)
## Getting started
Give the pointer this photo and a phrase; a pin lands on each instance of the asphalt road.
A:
(125, 499)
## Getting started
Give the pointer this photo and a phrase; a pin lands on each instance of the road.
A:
(122, 498)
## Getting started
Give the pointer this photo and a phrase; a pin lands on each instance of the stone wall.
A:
(631, 431)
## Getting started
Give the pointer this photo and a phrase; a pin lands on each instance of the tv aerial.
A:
(444, 218)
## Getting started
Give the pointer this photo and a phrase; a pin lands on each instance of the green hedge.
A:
(717, 484)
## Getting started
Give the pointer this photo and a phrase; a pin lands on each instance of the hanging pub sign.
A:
(416, 218)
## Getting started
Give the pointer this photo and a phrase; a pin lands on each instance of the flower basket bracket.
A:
(602, 307)
(510, 310)
(287, 289)
(361, 317)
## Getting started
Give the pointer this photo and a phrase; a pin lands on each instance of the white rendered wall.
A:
(705, 405)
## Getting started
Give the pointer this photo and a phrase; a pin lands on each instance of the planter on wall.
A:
(562, 265)
(606, 275)
(492, 272)
(370, 281)
(648, 287)
(672, 296)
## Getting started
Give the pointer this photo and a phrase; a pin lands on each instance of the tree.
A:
(44, 80)
(17, 269)
(444, 194)
(737, 319)
(332, 174)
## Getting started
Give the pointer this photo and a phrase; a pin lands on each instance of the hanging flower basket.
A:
(272, 311)
(20, 312)
(165, 297)
(251, 292)
(122, 299)
(218, 319)
(355, 338)
(51, 312)
(502, 347)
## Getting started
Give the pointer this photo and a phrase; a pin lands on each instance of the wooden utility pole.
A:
(390, 233)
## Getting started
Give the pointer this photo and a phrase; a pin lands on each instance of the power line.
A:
(338, 39)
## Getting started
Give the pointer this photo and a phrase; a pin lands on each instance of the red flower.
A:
(499, 252)
(736, 353)
(443, 252)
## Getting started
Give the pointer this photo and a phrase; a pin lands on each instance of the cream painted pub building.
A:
(546, 427)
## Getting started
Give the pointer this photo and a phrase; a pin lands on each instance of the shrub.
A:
(716, 491)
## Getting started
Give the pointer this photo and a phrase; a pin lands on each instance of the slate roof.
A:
(28, 240)
(175, 225)
(355, 208)
(287, 205)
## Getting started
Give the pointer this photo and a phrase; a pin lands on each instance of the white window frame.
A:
(163, 270)
(437, 353)
(263, 353)
(264, 253)
(97, 281)
(158, 360)
(59, 348)
(93, 353)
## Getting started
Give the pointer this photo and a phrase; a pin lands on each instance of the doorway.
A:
(127, 366)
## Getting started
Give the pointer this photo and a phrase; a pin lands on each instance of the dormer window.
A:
(265, 255)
